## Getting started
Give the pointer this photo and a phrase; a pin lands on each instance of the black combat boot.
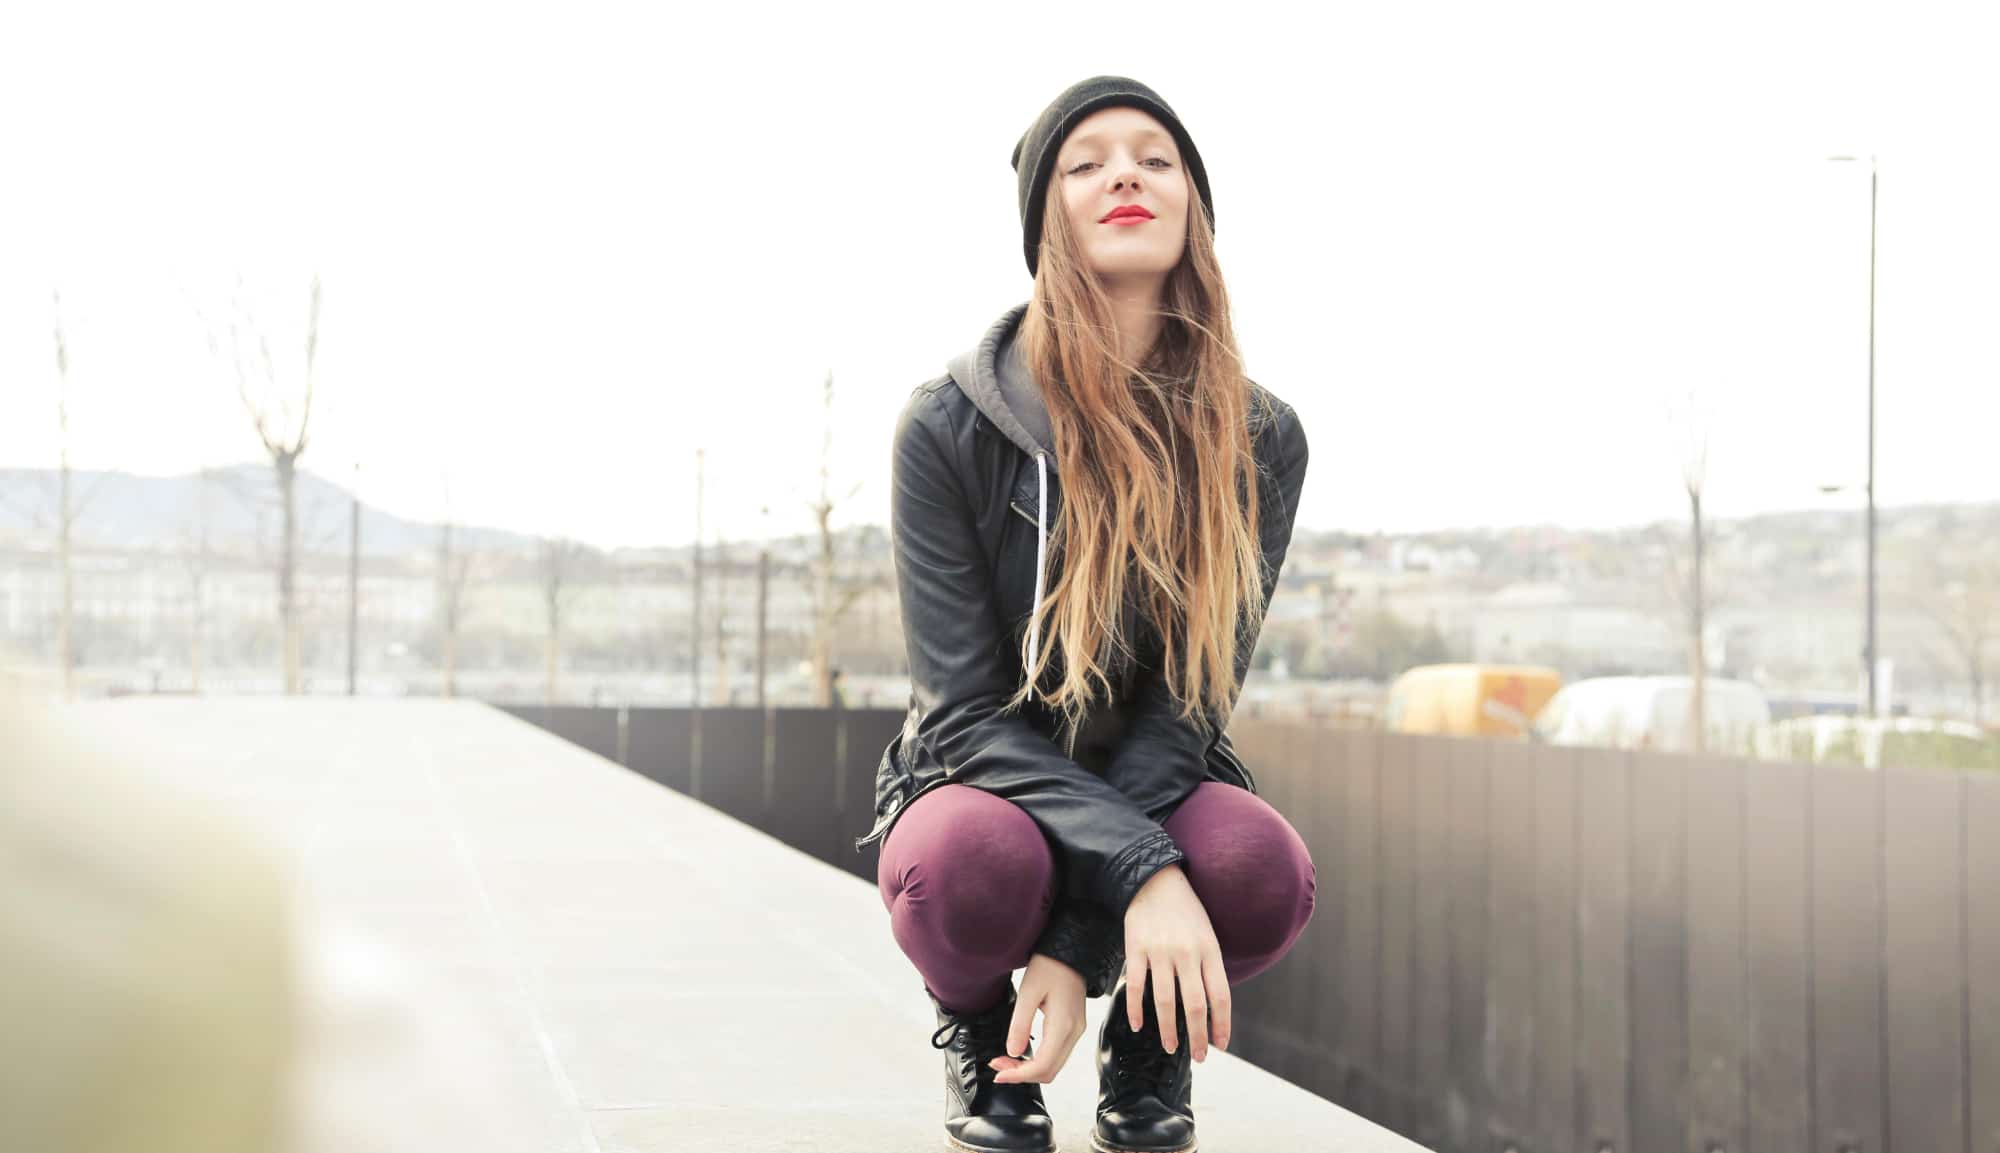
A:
(979, 1115)
(1145, 1095)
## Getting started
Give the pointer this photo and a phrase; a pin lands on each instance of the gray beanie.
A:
(1035, 152)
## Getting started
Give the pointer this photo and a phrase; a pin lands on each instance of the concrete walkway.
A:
(636, 971)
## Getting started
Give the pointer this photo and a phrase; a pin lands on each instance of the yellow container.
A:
(1469, 700)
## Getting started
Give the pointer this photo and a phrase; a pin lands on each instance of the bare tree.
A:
(453, 567)
(763, 600)
(1687, 583)
(354, 585)
(1959, 594)
(65, 516)
(1694, 476)
(195, 555)
(722, 622)
(830, 603)
(284, 432)
(68, 507)
(694, 580)
(558, 563)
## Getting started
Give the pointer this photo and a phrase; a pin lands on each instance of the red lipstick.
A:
(1124, 213)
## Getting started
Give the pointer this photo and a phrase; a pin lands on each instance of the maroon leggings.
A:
(968, 878)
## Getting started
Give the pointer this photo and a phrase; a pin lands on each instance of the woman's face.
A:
(1121, 161)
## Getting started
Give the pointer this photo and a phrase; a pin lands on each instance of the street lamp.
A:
(1868, 652)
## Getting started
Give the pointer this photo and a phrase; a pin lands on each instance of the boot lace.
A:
(1142, 1061)
(985, 1032)
(1138, 1059)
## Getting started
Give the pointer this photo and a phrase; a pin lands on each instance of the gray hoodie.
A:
(994, 374)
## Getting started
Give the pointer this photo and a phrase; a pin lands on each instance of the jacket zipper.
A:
(1069, 749)
(1067, 732)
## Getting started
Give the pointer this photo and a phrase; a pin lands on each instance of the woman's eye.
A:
(1161, 162)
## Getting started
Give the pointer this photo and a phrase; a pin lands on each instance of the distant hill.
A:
(1820, 522)
(124, 511)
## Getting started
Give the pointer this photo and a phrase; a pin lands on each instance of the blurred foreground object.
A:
(145, 962)
(390, 1059)
(170, 984)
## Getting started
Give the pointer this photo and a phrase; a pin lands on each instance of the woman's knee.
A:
(970, 858)
(1250, 867)
(1265, 914)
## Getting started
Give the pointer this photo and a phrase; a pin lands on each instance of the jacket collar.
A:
(976, 371)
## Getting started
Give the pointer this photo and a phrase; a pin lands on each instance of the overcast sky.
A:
(1481, 248)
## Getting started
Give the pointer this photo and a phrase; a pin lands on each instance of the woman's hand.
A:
(1057, 990)
(1167, 933)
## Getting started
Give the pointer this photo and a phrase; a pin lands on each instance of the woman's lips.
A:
(1127, 214)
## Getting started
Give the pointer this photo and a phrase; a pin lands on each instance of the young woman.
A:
(1062, 796)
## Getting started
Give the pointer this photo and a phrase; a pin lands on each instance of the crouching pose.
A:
(1089, 514)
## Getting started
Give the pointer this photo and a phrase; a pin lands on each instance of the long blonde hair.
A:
(1159, 480)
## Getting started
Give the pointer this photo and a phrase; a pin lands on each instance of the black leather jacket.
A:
(971, 507)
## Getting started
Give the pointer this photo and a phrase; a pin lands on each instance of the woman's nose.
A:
(1124, 174)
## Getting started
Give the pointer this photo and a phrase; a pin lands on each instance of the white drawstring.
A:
(1041, 552)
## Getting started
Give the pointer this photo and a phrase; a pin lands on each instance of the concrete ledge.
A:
(623, 968)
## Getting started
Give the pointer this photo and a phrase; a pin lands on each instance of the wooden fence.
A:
(1544, 950)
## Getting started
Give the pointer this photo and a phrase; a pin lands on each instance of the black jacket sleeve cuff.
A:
(1133, 867)
(1086, 937)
